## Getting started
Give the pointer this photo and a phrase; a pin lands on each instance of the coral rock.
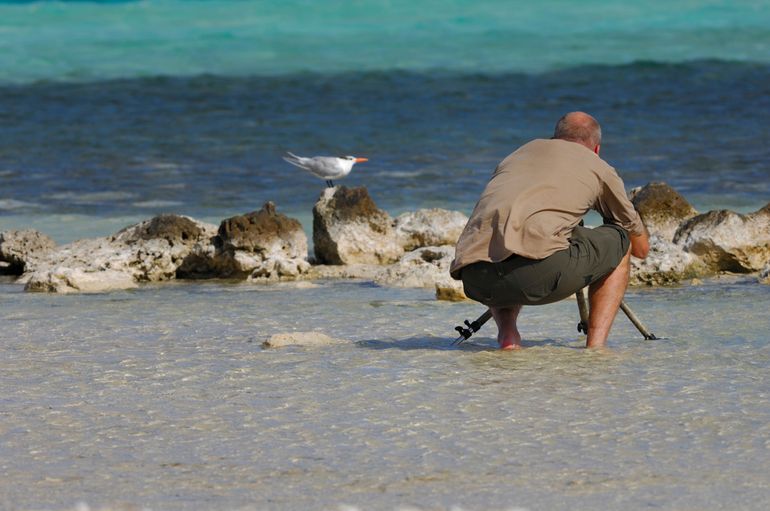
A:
(20, 249)
(348, 228)
(429, 227)
(662, 208)
(728, 241)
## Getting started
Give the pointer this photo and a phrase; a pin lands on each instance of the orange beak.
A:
(359, 160)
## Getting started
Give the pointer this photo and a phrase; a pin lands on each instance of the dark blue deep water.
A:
(211, 146)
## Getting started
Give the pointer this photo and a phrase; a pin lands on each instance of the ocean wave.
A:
(91, 197)
(154, 204)
(378, 77)
(13, 205)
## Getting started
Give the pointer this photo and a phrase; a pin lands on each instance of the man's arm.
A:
(613, 203)
(640, 244)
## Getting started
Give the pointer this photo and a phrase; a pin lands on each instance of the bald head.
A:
(581, 128)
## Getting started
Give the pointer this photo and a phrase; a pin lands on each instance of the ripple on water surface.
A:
(164, 397)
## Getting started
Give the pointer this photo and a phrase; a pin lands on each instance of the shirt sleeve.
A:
(614, 206)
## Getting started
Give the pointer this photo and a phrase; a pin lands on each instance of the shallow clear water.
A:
(163, 397)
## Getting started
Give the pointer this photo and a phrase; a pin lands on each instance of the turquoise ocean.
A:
(161, 398)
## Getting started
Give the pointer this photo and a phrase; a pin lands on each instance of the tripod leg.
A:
(472, 327)
(638, 324)
(583, 310)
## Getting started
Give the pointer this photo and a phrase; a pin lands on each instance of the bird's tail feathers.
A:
(292, 158)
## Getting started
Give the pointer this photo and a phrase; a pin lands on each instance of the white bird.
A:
(325, 167)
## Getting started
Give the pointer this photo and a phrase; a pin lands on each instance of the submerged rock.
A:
(62, 279)
(429, 228)
(300, 339)
(662, 209)
(348, 228)
(21, 249)
(727, 241)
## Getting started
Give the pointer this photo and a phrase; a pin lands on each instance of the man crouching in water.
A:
(524, 245)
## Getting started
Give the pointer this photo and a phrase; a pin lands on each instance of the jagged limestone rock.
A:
(727, 241)
(429, 228)
(662, 208)
(21, 249)
(149, 251)
(262, 245)
(420, 268)
(348, 228)
(665, 264)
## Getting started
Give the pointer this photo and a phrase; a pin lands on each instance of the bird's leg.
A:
(329, 183)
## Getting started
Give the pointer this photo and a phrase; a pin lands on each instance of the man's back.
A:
(536, 197)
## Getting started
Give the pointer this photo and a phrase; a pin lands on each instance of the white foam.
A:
(157, 204)
(11, 204)
(92, 197)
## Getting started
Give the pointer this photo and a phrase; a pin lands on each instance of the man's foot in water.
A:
(510, 342)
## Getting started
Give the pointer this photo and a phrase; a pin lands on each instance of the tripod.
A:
(472, 327)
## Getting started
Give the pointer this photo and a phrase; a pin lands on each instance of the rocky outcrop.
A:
(685, 244)
(662, 209)
(262, 245)
(348, 228)
(425, 267)
(665, 264)
(420, 268)
(155, 249)
(727, 241)
(21, 249)
(429, 228)
(150, 251)
(357, 240)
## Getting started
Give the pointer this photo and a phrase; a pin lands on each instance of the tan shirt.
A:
(536, 197)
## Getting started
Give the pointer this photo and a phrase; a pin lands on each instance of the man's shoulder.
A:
(561, 153)
(533, 148)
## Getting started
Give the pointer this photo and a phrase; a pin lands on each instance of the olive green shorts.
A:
(592, 254)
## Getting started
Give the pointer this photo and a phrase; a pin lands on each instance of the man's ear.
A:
(597, 148)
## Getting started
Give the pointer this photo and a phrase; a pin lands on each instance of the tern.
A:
(325, 167)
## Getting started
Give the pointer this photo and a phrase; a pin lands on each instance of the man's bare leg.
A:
(508, 336)
(605, 296)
